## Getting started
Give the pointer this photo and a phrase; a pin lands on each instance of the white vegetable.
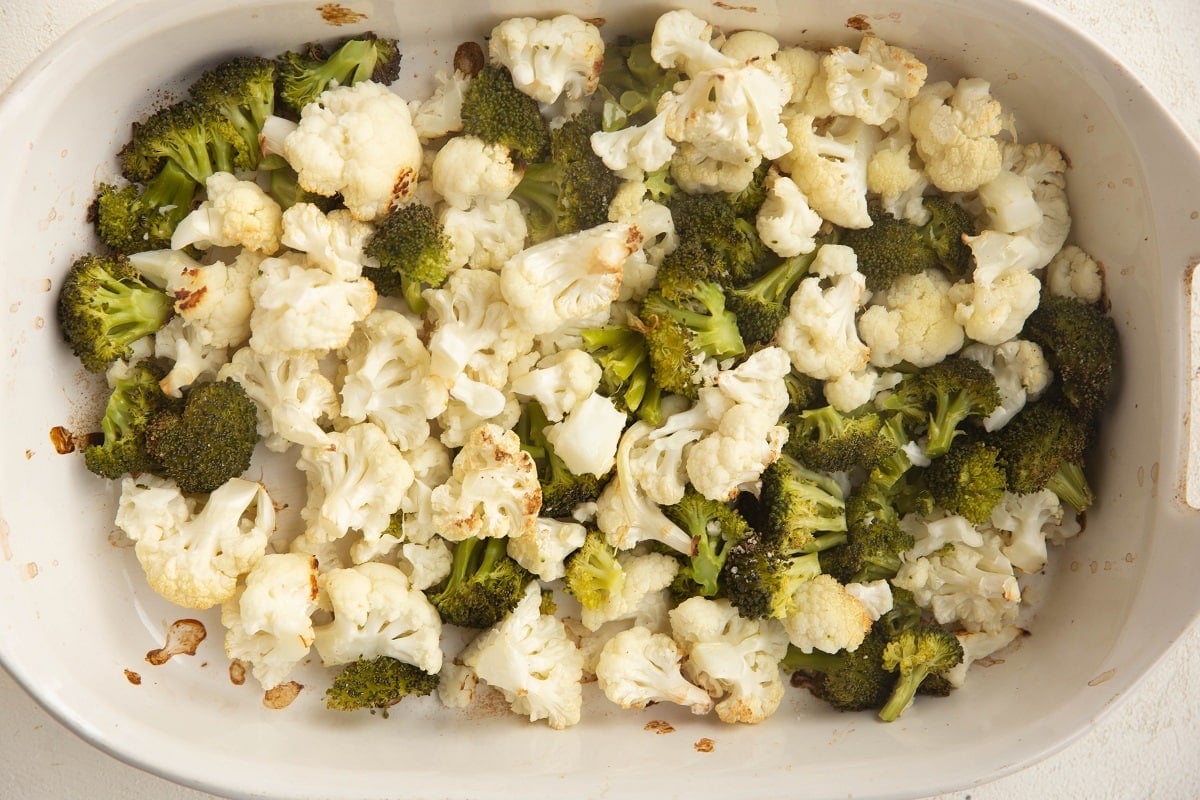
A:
(586, 440)
(638, 667)
(1021, 372)
(647, 574)
(871, 83)
(820, 333)
(825, 616)
(235, 213)
(1024, 520)
(1074, 273)
(829, 164)
(301, 308)
(544, 550)
(559, 382)
(955, 127)
(913, 320)
(468, 170)
(295, 400)
(549, 57)
(334, 241)
(785, 223)
(486, 235)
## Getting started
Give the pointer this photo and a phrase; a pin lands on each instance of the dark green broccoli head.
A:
(484, 584)
(893, 247)
(848, 681)
(969, 480)
(135, 398)
(715, 244)
(1044, 446)
(104, 306)
(954, 390)
(572, 190)
(631, 84)
(874, 539)
(680, 333)
(1082, 347)
(131, 219)
(209, 441)
(795, 503)
(915, 654)
(197, 138)
(562, 490)
(760, 578)
(831, 441)
(804, 391)
(627, 376)
(749, 199)
(302, 75)
(593, 573)
(377, 684)
(714, 528)
(241, 89)
(498, 112)
(761, 306)
(948, 224)
(412, 251)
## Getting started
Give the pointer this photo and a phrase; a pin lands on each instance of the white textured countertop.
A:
(1149, 747)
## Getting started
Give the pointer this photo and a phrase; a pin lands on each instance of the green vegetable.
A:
(593, 573)
(714, 528)
(134, 400)
(413, 252)
(916, 654)
(305, 73)
(484, 584)
(499, 113)
(377, 684)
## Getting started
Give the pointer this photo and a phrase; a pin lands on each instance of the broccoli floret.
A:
(760, 575)
(135, 398)
(969, 480)
(916, 654)
(1082, 347)
(680, 334)
(593, 573)
(830, 441)
(131, 219)
(761, 306)
(1043, 447)
(893, 466)
(714, 528)
(499, 113)
(207, 442)
(562, 490)
(631, 84)
(484, 584)
(572, 190)
(715, 244)
(893, 247)
(412, 250)
(749, 200)
(944, 395)
(242, 89)
(104, 306)
(796, 503)
(627, 376)
(848, 681)
(284, 186)
(874, 539)
(804, 391)
(193, 136)
(377, 684)
(302, 75)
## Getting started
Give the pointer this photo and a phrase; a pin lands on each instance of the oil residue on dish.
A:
(337, 14)
(183, 637)
(659, 726)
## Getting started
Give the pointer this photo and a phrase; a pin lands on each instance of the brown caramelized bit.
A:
(704, 745)
(183, 637)
(186, 300)
(731, 7)
(859, 22)
(237, 672)
(337, 14)
(659, 726)
(280, 697)
(62, 439)
(133, 677)
(468, 59)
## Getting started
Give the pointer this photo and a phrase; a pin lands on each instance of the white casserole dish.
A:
(75, 613)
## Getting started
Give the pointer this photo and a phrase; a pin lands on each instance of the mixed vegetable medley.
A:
(677, 364)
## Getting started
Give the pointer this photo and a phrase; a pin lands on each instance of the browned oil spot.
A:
(731, 7)
(859, 22)
(31, 571)
(599, 22)
(337, 14)
(28, 455)
(133, 677)
(659, 726)
(280, 697)
(5, 549)
(1130, 558)
(1094, 566)
(183, 637)
(1074, 566)
(704, 745)
(39, 323)
(46, 285)
(1195, 215)
(468, 58)
(1103, 677)
(237, 672)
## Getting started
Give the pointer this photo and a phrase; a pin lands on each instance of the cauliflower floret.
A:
(468, 170)
(647, 574)
(785, 223)
(586, 440)
(214, 299)
(872, 83)
(993, 306)
(1021, 371)
(977, 646)
(819, 333)
(955, 127)
(549, 57)
(440, 113)
(913, 320)
(1029, 199)
(560, 382)
(424, 564)
(234, 213)
(1023, 521)
(732, 658)
(386, 379)
(430, 463)
(302, 308)
(1074, 273)
(570, 279)
(191, 358)
(895, 174)
(635, 149)
(357, 141)
(493, 489)
(875, 596)
(334, 241)
(826, 617)
(193, 555)
(659, 239)
(684, 41)
(485, 235)
(376, 613)
(750, 47)
(354, 482)
(638, 667)
(656, 455)
(293, 396)
(959, 573)
(828, 161)
(801, 67)
(530, 658)
(268, 622)
(854, 389)
(697, 173)
(543, 551)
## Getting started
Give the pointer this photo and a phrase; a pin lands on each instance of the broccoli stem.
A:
(904, 692)
(1071, 486)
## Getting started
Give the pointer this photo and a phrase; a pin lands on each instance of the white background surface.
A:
(1149, 747)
